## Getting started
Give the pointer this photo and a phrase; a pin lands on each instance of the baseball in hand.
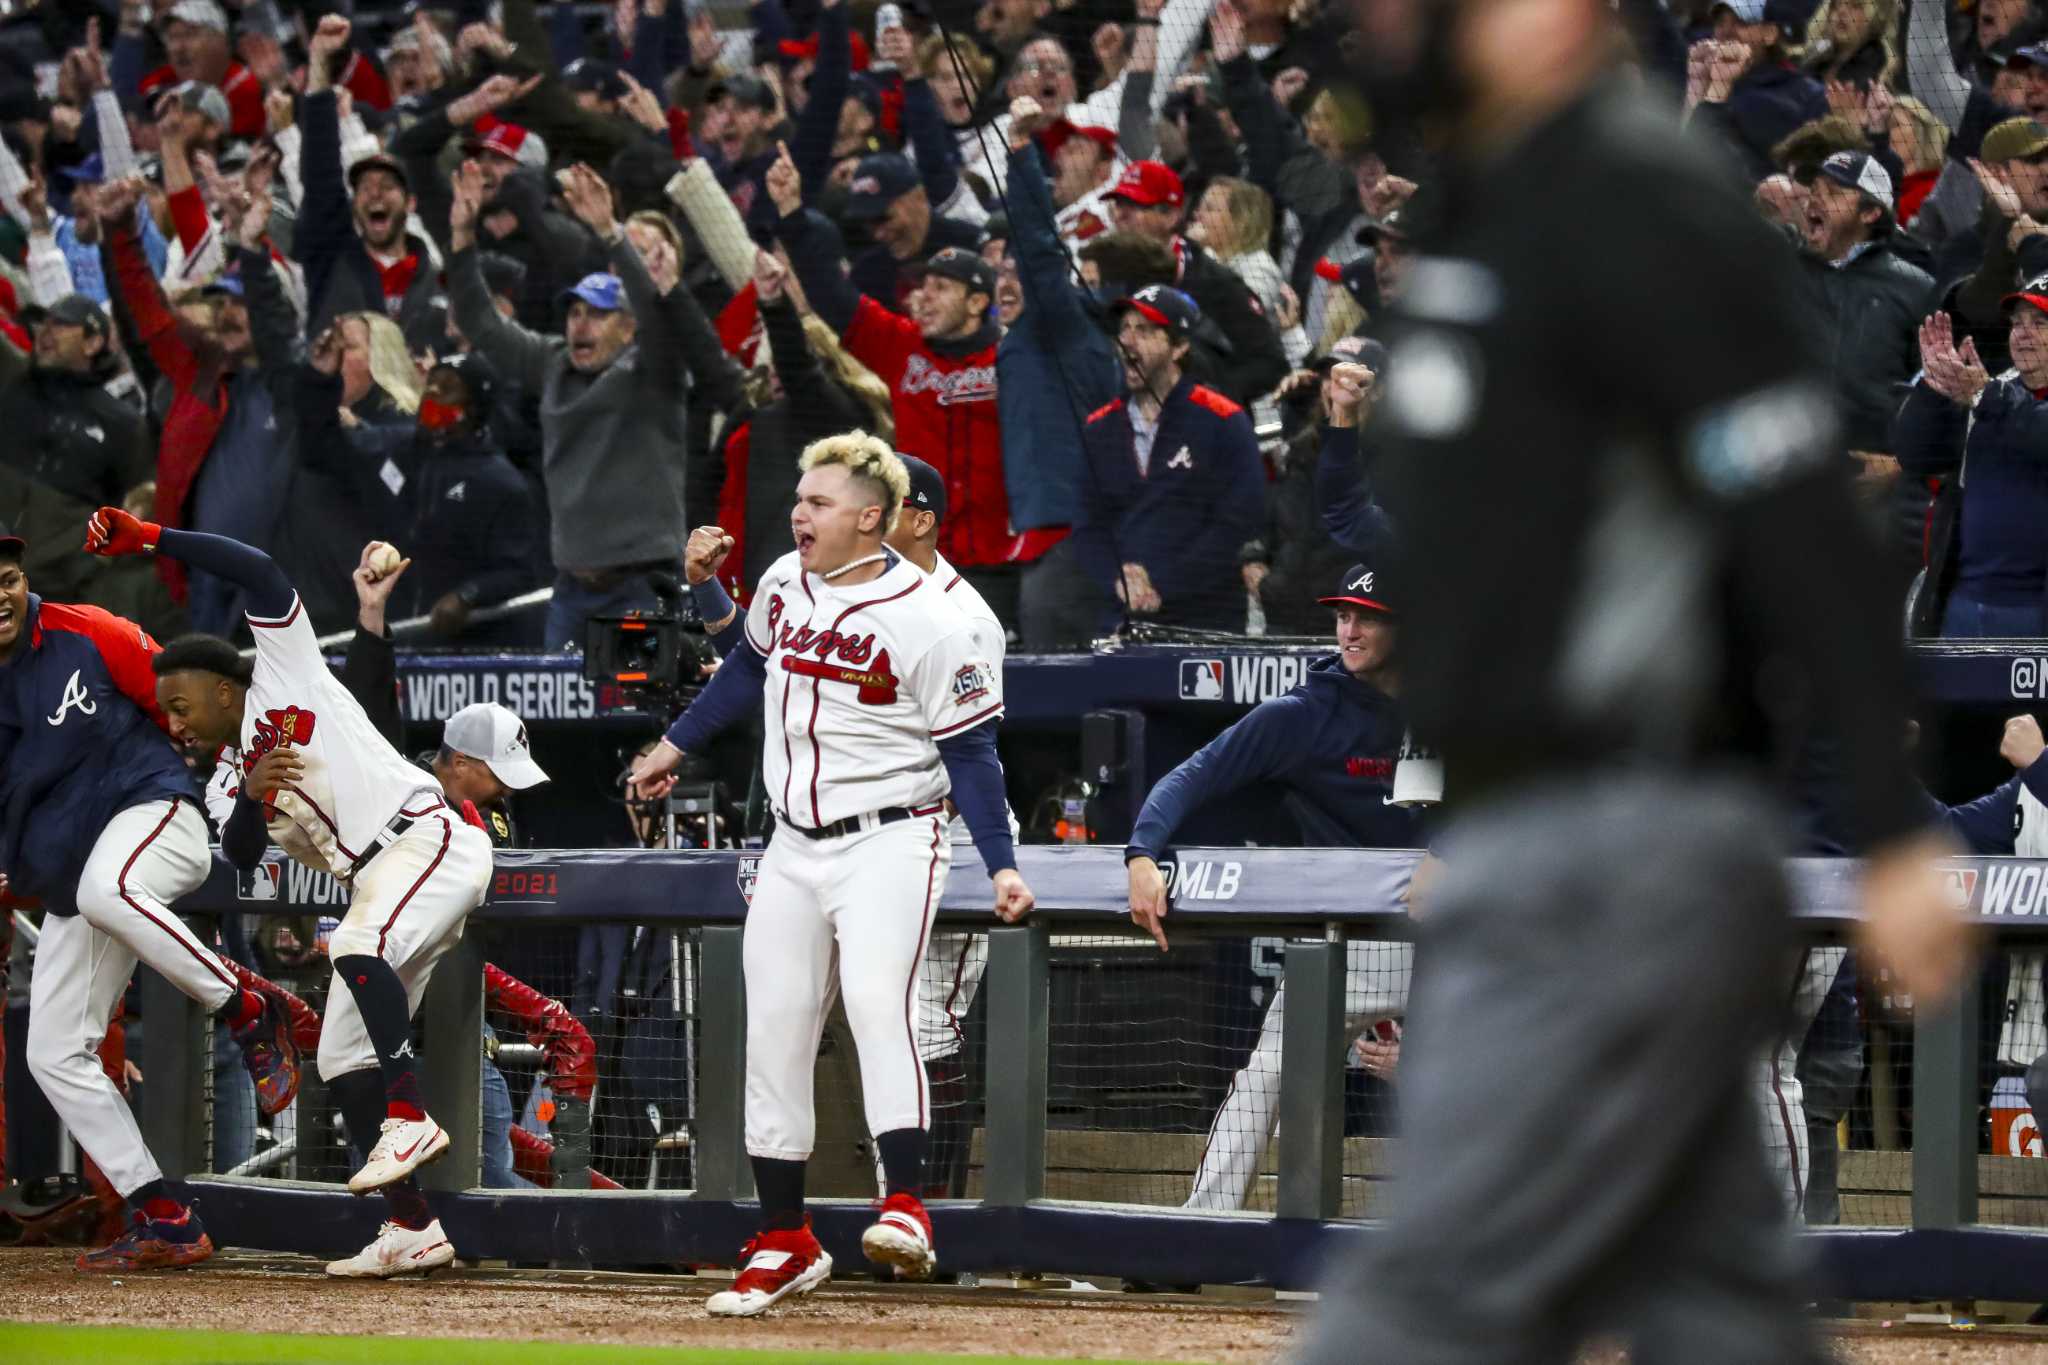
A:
(384, 560)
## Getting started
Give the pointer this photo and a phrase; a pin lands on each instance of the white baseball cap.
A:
(204, 13)
(487, 732)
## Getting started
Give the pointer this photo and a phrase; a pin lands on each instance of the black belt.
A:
(393, 831)
(854, 824)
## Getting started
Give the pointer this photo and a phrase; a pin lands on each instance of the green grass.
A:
(36, 1344)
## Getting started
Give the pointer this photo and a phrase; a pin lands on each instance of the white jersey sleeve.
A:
(287, 647)
(988, 631)
(956, 684)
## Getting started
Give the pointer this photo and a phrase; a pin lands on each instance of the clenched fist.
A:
(2023, 742)
(112, 531)
(706, 550)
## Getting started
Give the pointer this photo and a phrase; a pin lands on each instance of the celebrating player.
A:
(337, 797)
(100, 819)
(876, 701)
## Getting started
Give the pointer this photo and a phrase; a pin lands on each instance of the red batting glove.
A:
(114, 532)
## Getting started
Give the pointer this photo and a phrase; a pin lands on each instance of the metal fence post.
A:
(1945, 1111)
(718, 1150)
(1019, 1015)
(174, 1057)
(453, 1018)
(1312, 1083)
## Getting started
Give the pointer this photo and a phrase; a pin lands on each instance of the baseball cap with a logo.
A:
(508, 140)
(957, 263)
(600, 290)
(879, 181)
(492, 735)
(1149, 184)
(2034, 292)
(927, 487)
(1362, 586)
(1861, 171)
(1163, 306)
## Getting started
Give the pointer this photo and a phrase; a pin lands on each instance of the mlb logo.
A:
(1201, 680)
(1959, 886)
(258, 883)
(749, 873)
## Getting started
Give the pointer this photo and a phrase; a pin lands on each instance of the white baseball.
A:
(384, 560)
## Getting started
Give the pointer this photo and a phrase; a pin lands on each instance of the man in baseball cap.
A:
(485, 755)
(954, 292)
(599, 324)
(500, 148)
(195, 38)
(598, 85)
(916, 537)
(888, 195)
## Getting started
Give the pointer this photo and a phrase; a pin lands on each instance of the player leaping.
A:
(875, 700)
(336, 796)
(101, 821)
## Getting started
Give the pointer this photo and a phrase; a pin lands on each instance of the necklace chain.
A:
(875, 558)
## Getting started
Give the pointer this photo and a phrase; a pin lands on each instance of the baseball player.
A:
(876, 702)
(318, 779)
(101, 821)
(1333, 743)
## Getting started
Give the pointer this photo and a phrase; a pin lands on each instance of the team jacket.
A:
(81, 740)
(1199, 499)
(943, 394)
(1332, 741)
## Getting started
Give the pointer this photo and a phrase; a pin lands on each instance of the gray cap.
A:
(492, 735)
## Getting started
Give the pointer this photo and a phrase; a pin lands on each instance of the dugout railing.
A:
(1911, 1213)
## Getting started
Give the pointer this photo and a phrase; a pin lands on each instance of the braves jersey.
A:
(988, 631)
(862, 681)
(354, 783)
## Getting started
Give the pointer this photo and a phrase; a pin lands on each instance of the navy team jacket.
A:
(81, 740)
(1332, 741)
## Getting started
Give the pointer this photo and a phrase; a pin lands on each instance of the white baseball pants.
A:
(1781, 1098)
(147, 857)
(1375, 987)
(409, 907)
(850, 914)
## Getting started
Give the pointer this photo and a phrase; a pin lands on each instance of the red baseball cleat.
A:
(902, 1237)
(271, 1054)
(775, 1266)
(152, 1244)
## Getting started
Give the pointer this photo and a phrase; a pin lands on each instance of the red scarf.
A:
(397, 278)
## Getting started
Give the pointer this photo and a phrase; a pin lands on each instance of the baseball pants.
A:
(146, 858)
(1595, 977)
(850, 914)
(409, 907)
(1375, 987)
(1781, 1096)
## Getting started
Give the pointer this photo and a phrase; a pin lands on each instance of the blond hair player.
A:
(876, 703)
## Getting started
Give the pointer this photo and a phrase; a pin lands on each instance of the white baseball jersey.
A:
(354, 782)
(988, 631)
(862, 682)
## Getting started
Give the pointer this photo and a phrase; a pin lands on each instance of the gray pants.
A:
(1595, 976)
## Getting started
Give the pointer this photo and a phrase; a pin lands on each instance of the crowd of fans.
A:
(531, 291)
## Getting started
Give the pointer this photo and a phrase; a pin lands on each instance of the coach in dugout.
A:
(1332, 743)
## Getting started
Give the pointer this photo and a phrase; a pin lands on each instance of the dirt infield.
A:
(255, 1292)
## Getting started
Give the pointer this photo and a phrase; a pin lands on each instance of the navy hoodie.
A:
(1332, 742)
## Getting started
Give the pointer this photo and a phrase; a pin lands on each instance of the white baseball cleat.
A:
(902, 1237)
(403, 1146)
(398, 1251)
(775, 1266)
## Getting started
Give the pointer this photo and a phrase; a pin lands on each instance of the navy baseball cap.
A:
(1353, 349)
(12, 546)
(2033, 54)
(750, 91)
(957, 263)
(1862, 172)
(927, 486)
(1162, 306)
(599, 77)
(879, 181)
(601, 290)
(380, 161)
(1362, 586)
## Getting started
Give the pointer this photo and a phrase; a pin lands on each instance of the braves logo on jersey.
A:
(289, 725)
(854, 649)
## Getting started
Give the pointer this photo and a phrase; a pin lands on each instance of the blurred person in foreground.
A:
(1612, 892)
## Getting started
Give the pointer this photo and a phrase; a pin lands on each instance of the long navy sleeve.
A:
(243, 838)
(1353, 519)
(270, 593)
(817, 127)
(1986, 824)
(1266, 743)
(734, 691)
(977, 777)
(938, 156)
(817, 252)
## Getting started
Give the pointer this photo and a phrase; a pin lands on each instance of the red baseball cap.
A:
(1149, 184)
(509, 140)
(1059, 130)
(2034, 291)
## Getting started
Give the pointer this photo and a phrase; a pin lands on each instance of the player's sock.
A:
(360, 1097)
(380, 999)
(243, 1008)
(903, 1152)
(780, 1185)
(153, 1198)
(408, 1204)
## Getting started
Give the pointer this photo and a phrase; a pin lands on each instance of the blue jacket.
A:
(1989, 825)
(1332, 741)
(2002, 556)
(1185, 519)
(1053, 367)
(80, 742)
(1344, 492)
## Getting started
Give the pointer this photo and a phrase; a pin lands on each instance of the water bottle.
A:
(886, 18)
